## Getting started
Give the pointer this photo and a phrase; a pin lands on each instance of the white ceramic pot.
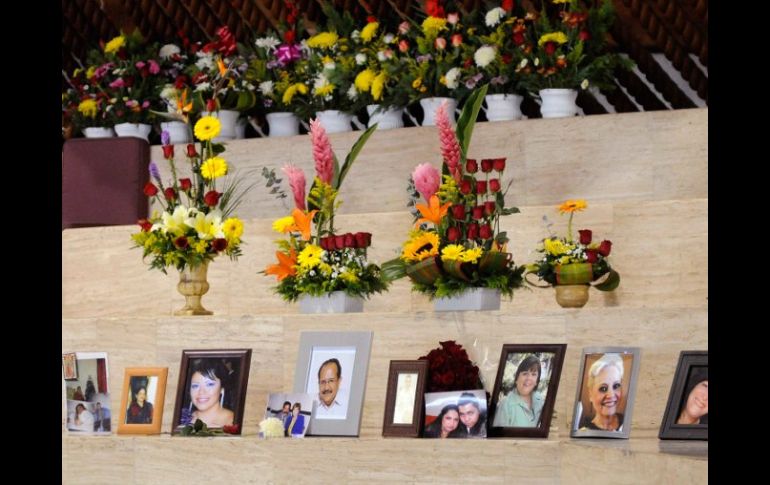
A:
(178, 132)
(282, 124)
(335, 121)
(558, 103)
(228, 119)
(503, 107)
(334, 302)
(98, 132)
(429, 106)
(387, 119)
(138, 130)
(470, 299)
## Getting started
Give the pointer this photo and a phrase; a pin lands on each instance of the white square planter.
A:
(335, 302)
(471, 299)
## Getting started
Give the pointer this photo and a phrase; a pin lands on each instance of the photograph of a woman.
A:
(446, 423)
(207, 388)
(522, 406)
(140, 410)
(605, 391)
(695, 404)
(294, 424)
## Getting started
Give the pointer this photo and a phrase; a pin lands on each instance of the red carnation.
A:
(371, 19)
(605, 247)
(219, 244)
(170, 194)
(185, 184)
(507, 5)
(494, 186)
(289, 36)
(471, 166)
(150, 190)
(585, 236)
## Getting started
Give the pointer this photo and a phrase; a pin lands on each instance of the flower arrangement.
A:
(271, 428)
(450, 369)
(196, 224)
(457, 243)
(319, 260)
(569, 261)
(199, 428)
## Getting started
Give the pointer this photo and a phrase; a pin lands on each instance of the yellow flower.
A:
(349, 276)
(115, 44)
(213, 168)
(471, 255)
(324, 40)
(90, 72)
(284, 224)
(452, 252)
(368, 32)
(364, 80)
(422, 245)
(442, 80)
(207, 128)
(557, 37)
(233, 228)
(378, 85)
(87, 108)
(559, 1)
(310, 257)
(200, 246)
(323, 90)
(555, 247)
(432, 25)
(576, 205)
(417, 82)
(288, 95)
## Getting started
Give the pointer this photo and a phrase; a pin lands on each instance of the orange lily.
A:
(285, 266)
(303, 222)
(432, 212)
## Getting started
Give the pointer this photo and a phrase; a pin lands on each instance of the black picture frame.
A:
(690, 370)
(500, 392)
(413, 428)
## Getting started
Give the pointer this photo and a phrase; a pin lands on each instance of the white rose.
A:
(484, 55)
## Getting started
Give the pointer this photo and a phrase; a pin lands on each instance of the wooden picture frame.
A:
(688, 389)
(141, 403)
(607, 380)
(405, 393)
(333, 367)
(69, 364)
(517, 369)
(224, 372)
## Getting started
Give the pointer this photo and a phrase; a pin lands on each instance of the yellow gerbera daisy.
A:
(576, 205)
(207, 128)
(233, 228)
(558, 37)
(310, 257)
(368, 32)
(364, 80)
(452, 252)
(324, 40)
(421, 246)
(213, 168)
(471, 255)
(87, 108)
(284, 224)
(115, 44)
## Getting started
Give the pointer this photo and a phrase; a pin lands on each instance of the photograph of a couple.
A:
(456, 414)
(293, 409)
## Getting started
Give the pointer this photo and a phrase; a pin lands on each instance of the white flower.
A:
(266, 88)
(451, 78)
(330, 66)
(203, 86)
(584, 84)
(352, 92)
(537, 61)
(389, 38)
(205, 61)
(360, 58)
(355, 35)
(168, 50)
(381, 56)
(484, 55)
(320, 82)
(268, 43)
(169, 92)
(493, 16)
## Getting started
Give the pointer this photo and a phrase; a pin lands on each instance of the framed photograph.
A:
(70, 366)
(687, 411)
(141, 405)
(294, 409)
(525, 390)
(212, 388)
(456, 414)
(404, 406)
(332, 366)
(604, 400)
(88, 396)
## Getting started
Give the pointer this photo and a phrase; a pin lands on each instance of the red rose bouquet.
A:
(450, 369)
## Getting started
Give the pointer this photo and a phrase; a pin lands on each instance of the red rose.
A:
(350, 240)
(457, 40)
(489, 207)
(485, 231)
(465, 187)
(211, 105)
(507, 5)
(486, 165)
(453, 234)
(550, 48)
(168, 151)
(440, 43)
(170, 194)
(339, 241)
(584, 35)
(605, 247)
(144, 224)
(219, 244)
(494, 186)
(403, 45)
(363, 239)
(518, 38)
(370, 19)
(458, 212)
(191, 150)
(473, 231)
(478, 212)
(150, 190)
(498, 164)
(585, 236)
(481, 187)
(231, 428)
(289, 36)
(331, 243)
(471, 166)
(591, 255)
(181, 242)
(325, 243)
(211, 198)
(506, 58)
(468, 62)
(185, 184)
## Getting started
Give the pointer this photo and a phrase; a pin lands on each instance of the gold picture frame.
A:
(141, 403)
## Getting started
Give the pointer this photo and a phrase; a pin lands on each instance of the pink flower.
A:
(154, 67)
(322, 152)
(297, 183)
(426, 179)
(450, 148)
(118, 83)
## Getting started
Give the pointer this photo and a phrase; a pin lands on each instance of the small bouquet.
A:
(317, 259)
(570, 265)
(457, 243)
(450, 369)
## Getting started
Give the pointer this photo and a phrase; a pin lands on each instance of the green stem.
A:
(569, 227)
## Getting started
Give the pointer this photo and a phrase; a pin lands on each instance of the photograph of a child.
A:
(456, 414)
(293, 409)
(88, 399)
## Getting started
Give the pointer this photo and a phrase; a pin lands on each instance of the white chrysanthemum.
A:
(484, 55)
(268, 43)
(169, 92)
(203, 86)
(352, 92)
(205, 60)
(249, 86)
(168, 50)
(451, 78)
(266, 88)
(493, 16)
(523, 63)
(360, 58)
(389, 38)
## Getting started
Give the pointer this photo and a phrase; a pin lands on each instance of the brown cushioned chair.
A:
(102, 181)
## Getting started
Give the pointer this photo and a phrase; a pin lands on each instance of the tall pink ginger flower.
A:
(426, 179)
(297, 183)
(322, 152)
(450, 148)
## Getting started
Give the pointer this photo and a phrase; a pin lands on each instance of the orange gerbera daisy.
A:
(433, 212)
(286, 265)
(576, 205)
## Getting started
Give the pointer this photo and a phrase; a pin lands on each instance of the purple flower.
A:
(274, 64)
(424, 58)
(165, 138)
(154, 172)
(286, 53)
(473, 80)
(267, 102)
(499, 80)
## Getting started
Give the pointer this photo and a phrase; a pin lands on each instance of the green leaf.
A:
(393, 269)
(468, 117)
(612, 282)
(246, 100)
(354, 151)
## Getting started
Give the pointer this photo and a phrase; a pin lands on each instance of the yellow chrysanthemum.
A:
(364, 80)
(323, 90)
(310, 257)
(378, 85)
(87, 108)
(442, 80)
(325, 269)
(558, 37)
(471, 255)
(324, 40)
(284, 224)
(115, 44)
(213, 168)
(555, 247)
(452, 252)
(431, 26)
(90, 72)
(576, 205)
(368, 32)
(207, 128)
(422, 245)
(565, 260)
(349, 276)
(233, 228)
(288, 95)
